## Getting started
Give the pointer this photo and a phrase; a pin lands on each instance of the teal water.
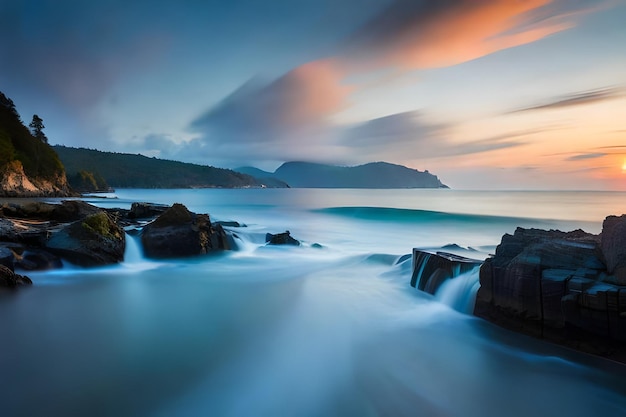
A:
(300, 331)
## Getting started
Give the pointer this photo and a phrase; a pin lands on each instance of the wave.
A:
(421, 216)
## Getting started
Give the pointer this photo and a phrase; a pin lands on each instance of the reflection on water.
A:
(273, 331)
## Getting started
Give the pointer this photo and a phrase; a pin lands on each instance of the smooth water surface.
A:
(300, 331)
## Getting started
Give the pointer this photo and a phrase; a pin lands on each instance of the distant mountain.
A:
(137, 171)
(29, 167)
(267, 178)
(372, 175)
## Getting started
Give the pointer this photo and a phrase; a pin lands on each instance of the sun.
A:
(624, 167)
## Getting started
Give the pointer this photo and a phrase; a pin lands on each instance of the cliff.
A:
(29, 166)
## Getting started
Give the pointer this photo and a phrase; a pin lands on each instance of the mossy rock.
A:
(101, 224)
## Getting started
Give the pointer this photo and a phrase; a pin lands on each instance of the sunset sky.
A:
(486, 94)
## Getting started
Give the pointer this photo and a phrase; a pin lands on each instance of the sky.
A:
(486, 94)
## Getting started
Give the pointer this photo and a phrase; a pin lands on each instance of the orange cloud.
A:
(418, 35)
(309, 93)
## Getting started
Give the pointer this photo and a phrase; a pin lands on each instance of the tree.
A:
(36, 127)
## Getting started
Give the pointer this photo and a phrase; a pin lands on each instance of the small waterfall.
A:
(460, 292)
(133, 253)
(453, 279)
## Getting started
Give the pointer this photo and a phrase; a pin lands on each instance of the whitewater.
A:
(334, 330)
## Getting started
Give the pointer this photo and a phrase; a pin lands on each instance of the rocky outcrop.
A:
(179, 233)
(15, 183)
(555, 285)
(281, 239)
(9, 279)
(67, 211)
(613, 244)
(430, 270)
(93, 241)
(145, 210)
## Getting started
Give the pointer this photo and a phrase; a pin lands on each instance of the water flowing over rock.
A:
(554, 285)
(179, 233)
(430, 270)
(281, 239)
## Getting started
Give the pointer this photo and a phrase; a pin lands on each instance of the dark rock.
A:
(39, 260)
(230, 223)
(554, 285)
(93, 241)
(318, 246)
(146, 210)
(178, 233)
(613, 244)
(67, 211)
(73, 210)
(430, 270)
(281, 239)
(7, 258)
(10, 279)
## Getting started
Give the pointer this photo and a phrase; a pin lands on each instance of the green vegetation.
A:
(86, 181)
(137, 171)
(100, 224)
(17, 143)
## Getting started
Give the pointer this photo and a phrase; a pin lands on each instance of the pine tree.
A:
(37, 127)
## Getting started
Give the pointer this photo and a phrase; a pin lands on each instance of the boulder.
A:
(9, 279)
(281, 239)
(73, 210)
(6, 257)
(38, 260)
(613, 244)
(145, 210)
(430, 270)
(93, 241)
(180, 233)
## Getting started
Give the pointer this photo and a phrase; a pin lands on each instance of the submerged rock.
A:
(179, 233)
(92, 241)
(281, 239)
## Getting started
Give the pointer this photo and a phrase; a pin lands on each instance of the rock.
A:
(10, 279)
(230, 223)
(179, 233)
(73, 210)
(6, 258)
(93, 241)
(39, 260)
(430, 270)
(613, 244)
(554, 285)
(146, 210)
(281, 239)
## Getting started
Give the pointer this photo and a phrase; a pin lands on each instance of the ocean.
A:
(303, 331)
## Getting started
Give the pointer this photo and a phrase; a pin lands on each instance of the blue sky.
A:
(490, 94)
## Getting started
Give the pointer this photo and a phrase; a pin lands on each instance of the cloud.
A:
(74, 54)
(299, 100)
(291, 116)
(585, 156)
(407, 136)
(577, 99)
(417, 34)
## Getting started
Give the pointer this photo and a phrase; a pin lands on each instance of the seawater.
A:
(301, 331)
